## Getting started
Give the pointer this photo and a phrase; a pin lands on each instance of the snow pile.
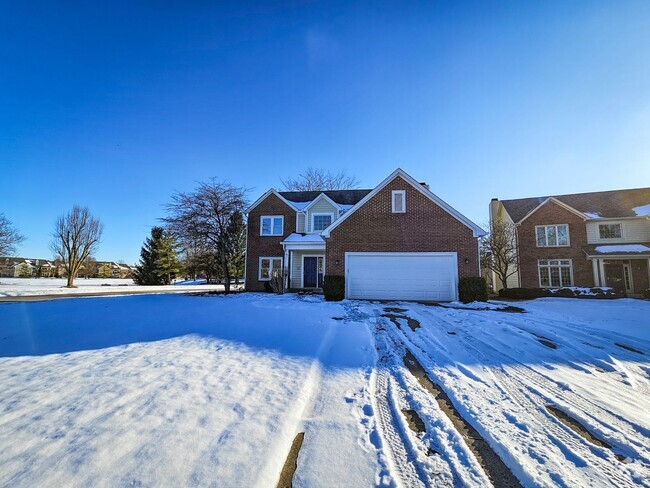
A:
(622, 248)
(643, 210)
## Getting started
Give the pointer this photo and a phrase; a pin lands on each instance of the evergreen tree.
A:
(167, 265)
(158, 260)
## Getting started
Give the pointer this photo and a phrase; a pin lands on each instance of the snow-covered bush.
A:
(334, 288)
(472, 289)
(564, 292)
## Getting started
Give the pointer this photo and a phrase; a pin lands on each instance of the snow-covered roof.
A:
(592, 215)
(304, 238)
(622, 248)
(643, 210)
(300, 205)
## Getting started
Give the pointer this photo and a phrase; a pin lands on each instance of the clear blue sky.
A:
(117, 105)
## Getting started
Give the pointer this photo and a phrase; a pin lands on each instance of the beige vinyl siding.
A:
(300, 225)
(320, 207)
(296, 265)
(633, 230)
(498, 213)
(296, 268)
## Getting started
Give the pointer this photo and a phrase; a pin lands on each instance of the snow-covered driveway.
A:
(170, 390)
(502, 371)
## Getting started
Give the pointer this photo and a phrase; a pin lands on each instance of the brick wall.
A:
(529, 253)
(425, 227)
(267, 246)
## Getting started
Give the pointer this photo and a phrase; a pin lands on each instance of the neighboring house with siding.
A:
(583, 239)
(395, 241)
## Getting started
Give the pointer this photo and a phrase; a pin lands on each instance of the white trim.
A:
(477, 231)
(549, 266)
(594, 265)
(302, 268)
(554, 200)
(392, 200)
(259, 266)
(272, 217)
(311, 222)
(568, 237)
(398, 254)
(322, 195)
(263, 197)
(627, 267)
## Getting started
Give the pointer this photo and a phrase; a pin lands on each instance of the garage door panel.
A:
(386, 276)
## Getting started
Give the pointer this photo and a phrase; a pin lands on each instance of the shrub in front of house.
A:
(646, 294)
(334, 288)
(472, 289)
(523, 293)
(567, 292)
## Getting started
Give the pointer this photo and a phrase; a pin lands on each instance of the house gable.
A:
(425, 227)
(558, 203)
(408, 182)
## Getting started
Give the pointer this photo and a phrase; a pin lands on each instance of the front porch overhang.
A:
(303, 242)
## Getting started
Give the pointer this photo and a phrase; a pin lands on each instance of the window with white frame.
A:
(399, 201)
(555, 273)
(552, 235)
(268, 266)
(610, 231)
(272, 225)
(320, 221)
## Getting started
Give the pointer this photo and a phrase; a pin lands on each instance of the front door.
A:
(312, 272)
(615, 276)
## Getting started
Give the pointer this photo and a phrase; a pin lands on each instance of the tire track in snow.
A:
(562, 437)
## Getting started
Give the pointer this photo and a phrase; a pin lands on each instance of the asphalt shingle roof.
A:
(605, 204)
(342, 197)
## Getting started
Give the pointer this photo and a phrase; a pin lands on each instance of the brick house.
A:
(395, 241)
(584, 239)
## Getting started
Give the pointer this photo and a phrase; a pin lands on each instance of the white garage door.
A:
(401, 276)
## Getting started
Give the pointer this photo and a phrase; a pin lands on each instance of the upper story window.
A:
(399, 201)
(320, 221)
(610, 231)
(272, 225)
(552, 235)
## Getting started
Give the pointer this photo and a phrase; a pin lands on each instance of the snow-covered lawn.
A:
(32, 287)
(174, 390)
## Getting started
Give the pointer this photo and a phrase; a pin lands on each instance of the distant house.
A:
(16, 267)
(583, 239)
(114, 270)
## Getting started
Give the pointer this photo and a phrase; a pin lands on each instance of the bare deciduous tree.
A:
(76, 236)
(9, 236)
(499, 250)
(320, 179)
(213, 214)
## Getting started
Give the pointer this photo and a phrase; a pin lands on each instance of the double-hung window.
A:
(610, 231)
(552, 235)
(271, 225)
(555, 273)
(320, 221)
(269, 266)
(398, 201)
